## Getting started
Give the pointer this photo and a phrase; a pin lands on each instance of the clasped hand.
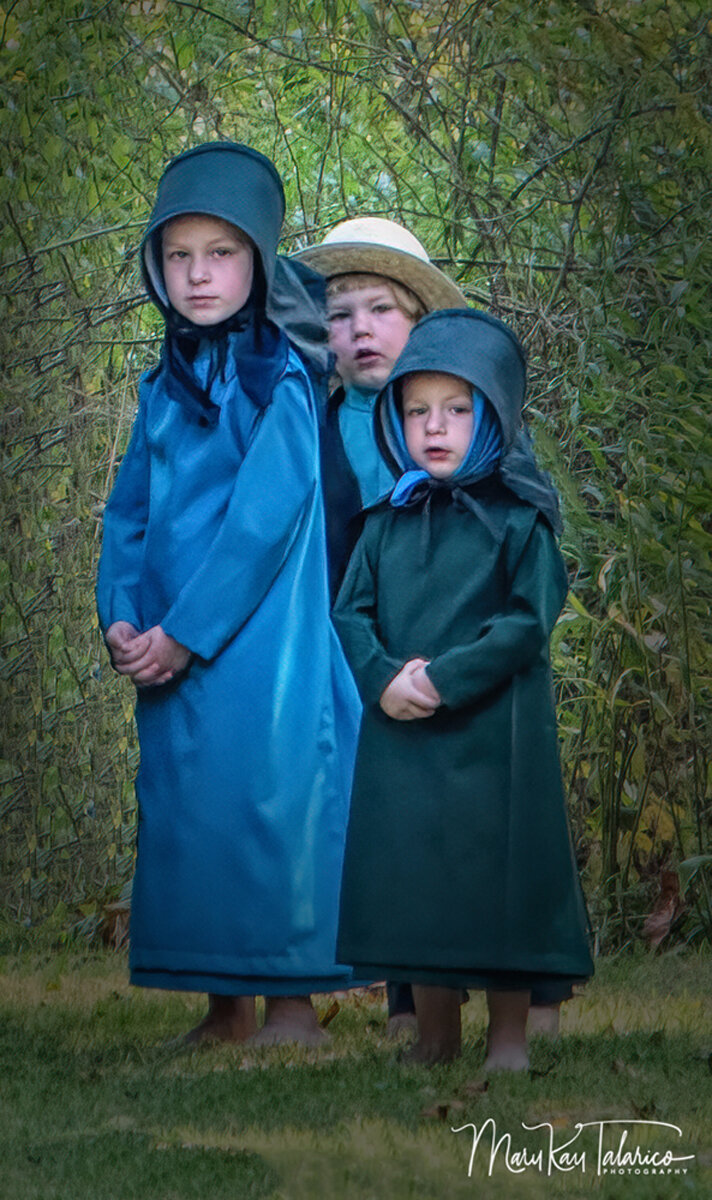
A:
(410, 696)
(148, 658)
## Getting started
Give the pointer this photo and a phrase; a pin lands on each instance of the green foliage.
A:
(556, 159)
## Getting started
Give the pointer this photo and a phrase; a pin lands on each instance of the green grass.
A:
(98, 1105)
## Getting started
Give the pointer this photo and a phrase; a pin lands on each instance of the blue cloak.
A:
(215, 531)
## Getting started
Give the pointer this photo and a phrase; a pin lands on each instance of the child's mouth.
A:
(437, 453)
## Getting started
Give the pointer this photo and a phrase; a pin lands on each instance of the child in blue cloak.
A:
(213, 597)
(458, 826)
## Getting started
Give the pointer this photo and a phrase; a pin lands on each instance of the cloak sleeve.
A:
(274, 495)
(355, 621)
(125, 516)
(511, 640)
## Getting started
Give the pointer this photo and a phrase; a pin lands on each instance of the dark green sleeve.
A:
(513, 639)
(355, 621)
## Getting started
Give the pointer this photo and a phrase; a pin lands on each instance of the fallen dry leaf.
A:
(440, 1111)
(620, 1067)
(658, 923)
(476, 1087)
(114, 927)
(330, 1013)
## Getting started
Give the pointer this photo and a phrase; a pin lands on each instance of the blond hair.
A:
(406, 300)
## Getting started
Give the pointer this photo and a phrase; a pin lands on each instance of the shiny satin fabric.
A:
(216, 533)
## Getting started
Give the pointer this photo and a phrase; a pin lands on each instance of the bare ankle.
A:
(429, 1051)
(544, 1020)
(506, 1036)
(290, 1019)
(439, 1024)
(228, 1019)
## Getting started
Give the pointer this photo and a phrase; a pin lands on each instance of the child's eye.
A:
(414, 412)
(339, 315)
(461, 408)
(177, 254)
(382, 308)
(223, 251)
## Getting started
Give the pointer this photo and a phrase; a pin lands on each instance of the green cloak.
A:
(459, 866)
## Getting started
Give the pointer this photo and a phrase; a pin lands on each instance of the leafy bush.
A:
(555, 159)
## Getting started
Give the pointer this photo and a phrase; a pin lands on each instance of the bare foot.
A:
(439, 1026)
(544, 1020)
(290, 1019)
(509, 1058)
(426, 1054)
(401, 1023)
(506, 1035)
(229, 1019)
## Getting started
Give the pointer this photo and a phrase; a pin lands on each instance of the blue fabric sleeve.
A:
(125, 516)
(274, 492)
(514, 639)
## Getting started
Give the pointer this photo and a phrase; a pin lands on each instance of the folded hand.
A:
(410, 696)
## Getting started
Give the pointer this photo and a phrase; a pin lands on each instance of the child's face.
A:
(437, 421)
(208, 265)
(367, 331)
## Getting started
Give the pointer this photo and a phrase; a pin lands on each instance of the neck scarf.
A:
(481, 459)
(258, 348)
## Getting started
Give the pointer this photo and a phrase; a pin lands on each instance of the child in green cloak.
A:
(458, 827)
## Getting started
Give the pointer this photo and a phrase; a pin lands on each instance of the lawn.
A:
(100, 1103)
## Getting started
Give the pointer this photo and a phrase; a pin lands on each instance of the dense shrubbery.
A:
(556, 160)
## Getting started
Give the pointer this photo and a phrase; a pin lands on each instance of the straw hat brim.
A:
(430, 285)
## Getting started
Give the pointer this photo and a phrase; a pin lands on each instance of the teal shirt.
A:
(356, 428)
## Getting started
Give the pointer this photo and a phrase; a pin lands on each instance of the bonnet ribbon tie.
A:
(416, 487)
(258, 350)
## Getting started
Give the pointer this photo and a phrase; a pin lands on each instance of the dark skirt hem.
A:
(226, 985)
(557, 987)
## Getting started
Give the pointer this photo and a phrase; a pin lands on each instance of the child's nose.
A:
(435, 421)
(361, 324)
(198, 269)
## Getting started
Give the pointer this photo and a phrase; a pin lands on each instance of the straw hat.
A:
(372, 245)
